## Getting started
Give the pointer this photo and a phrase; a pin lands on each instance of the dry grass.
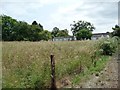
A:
(27, 64)
(0, 65)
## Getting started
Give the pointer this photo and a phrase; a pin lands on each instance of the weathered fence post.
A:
(94, 63)
(80, 66)
(53, 82)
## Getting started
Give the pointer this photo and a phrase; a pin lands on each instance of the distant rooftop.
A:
(100, 33)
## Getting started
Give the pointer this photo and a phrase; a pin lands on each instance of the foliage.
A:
(62, 33)
(101, 62)
(116, 31)
(108, 46)
(83, 34)
(34, 23)
(81, 26)
(45, 35)
(107, 49)
(13, 30)
(55, 32)
(27, 64)
(59, 33)
(7, 27)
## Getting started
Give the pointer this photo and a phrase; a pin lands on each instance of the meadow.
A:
(27, 64)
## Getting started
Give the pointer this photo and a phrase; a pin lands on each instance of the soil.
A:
(107, 78)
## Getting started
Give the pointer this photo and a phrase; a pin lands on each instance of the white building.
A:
(96, 36)
(68, 38)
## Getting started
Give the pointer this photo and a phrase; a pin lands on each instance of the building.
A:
(96, 36)
(68, 38)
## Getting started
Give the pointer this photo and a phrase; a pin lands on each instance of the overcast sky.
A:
(103, 14)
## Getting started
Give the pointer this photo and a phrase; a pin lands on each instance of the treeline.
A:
(13, 30)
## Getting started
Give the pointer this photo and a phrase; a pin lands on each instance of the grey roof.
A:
(63, 37)
(101, 34)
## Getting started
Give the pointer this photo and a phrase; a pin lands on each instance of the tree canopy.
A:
(83, 34)
(116, 31)
(59, 33)
(82, 29)
(13, 30)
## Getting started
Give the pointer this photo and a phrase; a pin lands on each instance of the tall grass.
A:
(0, 65)
(27, 64)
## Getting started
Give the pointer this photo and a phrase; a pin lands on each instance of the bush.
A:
(108, 47)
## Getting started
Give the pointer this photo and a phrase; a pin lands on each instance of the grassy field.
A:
(1, 65)
(27, 64)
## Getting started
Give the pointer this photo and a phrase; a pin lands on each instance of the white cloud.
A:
(102, 15)
(62, 13)
(40, 2)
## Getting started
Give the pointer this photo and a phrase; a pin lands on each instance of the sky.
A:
(103, 14)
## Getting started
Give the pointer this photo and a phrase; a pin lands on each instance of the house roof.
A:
(101, 34)
(63, 37)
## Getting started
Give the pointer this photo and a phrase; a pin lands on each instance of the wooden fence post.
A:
(80, 66)
(94, 63)
(53, 82)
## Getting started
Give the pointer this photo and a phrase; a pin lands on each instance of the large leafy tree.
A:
(35, 30)
(84, 34)
(59, 33)
(21, 31)
(7, 27)
(45, 35)
(80, 27)
(55, 31)
(36, 24)
(116, 31)
(13, 30)
(62, 33)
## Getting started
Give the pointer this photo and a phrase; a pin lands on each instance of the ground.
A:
(107, 78)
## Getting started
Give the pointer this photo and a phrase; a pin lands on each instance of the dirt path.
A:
(108, 78)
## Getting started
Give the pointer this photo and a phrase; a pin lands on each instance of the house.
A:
(96, 36)
(68, 38)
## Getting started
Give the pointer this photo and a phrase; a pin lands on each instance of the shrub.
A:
(108, 47)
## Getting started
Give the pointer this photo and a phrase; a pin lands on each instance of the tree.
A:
(59, 33)
(40, 26)
(7, 27)
(45, 35)
(35, 30)
(21, 31)
(13, 30)
(116, 31)
(80, 25)
(34, 23)
(55, 32)
(84, 34)
(62, 33)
